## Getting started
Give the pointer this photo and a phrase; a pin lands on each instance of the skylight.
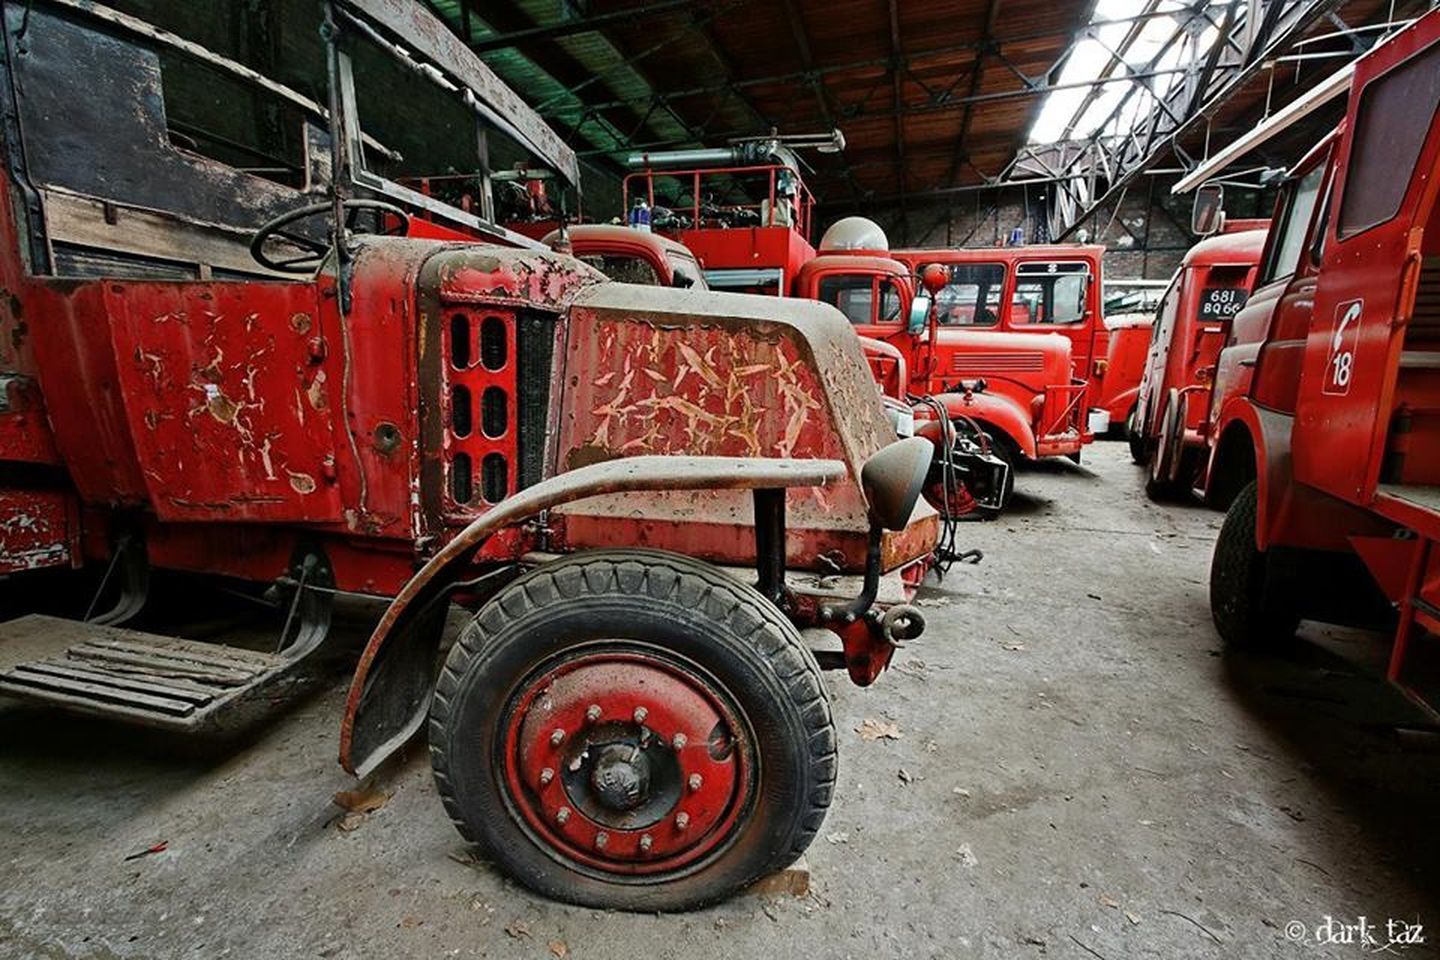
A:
(1131, 45)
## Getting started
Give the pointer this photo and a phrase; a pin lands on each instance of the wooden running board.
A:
(142, 677)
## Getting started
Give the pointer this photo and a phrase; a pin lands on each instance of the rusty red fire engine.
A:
(277, 362)
(1327, 398)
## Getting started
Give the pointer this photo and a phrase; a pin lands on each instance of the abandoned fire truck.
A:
(1170, 431)
(247, 350)
(1045, 289)
(1330, 446)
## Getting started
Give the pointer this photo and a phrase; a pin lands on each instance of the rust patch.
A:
(315, 393)
(221, 407)
(301, 482)
(300, 323)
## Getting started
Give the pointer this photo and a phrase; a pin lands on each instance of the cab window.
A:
(687, 272)
(855, 295)
(1289, 239)
(971, 298)
(624, 267)
(1392, 120)
(1050, 293)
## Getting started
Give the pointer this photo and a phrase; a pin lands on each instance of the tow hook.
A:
(902, 623)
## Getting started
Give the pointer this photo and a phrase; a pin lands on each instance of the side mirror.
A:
(919, 316)
(1208, 214)
(892, 480)
(681, 281)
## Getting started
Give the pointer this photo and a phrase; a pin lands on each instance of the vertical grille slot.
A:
(494, 412)
(460, 341)
(462, 478)
(493, 343)
(461, 411)
(494, 478)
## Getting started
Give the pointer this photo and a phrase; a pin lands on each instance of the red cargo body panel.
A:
(38, 529)
(225, 387)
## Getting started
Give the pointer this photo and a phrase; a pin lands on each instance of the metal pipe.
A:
(770, 543)
(687, 158)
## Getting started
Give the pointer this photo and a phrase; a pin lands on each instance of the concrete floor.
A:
(1081, 773)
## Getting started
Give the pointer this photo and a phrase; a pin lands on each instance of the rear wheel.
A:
(1167, 478)
(1248, 609)
(602, 725)
(1139, 448)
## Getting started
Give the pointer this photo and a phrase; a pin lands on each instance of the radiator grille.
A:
(981, 364)
(536, 345)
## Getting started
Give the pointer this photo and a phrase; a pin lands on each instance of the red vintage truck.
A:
(269, 363)
(1046, 289)
(1170, 432)
(1329, 422)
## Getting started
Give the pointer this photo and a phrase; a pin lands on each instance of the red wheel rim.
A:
(626, 762)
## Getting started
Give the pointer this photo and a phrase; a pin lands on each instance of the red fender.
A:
(1269, 434)
(996, 411)
(390, 692)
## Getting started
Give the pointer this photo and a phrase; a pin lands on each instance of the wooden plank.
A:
(211, 653)
(176, 688)
(26, 681)
(168, 667)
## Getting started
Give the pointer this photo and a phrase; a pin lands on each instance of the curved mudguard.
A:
(995, 410)
(390, 692)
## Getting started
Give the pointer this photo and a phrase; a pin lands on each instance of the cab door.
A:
(1061, 296)
(876, 306)
(1371, 265)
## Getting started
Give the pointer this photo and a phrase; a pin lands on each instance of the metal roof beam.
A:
(569, 28)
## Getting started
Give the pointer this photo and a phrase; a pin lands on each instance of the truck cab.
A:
(1048, 289)
(1171, 429)
(628, 255)
(1329, 392)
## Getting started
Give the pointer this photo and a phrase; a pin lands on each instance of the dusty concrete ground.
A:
(1081, 773)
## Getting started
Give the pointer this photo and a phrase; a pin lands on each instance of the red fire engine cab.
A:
(1329, 427)
(273, 363)
(1170, 432)
(1045, 289)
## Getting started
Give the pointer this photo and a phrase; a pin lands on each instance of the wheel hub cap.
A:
(626, 762)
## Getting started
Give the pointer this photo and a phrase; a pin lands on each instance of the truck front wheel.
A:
(1248, 609)
(633, 730)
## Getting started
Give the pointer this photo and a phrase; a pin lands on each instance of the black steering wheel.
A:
(314, 251)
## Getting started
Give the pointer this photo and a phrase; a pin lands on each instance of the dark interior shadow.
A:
(1374, 752)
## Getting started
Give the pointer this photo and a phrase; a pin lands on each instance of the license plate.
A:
(1222, 303)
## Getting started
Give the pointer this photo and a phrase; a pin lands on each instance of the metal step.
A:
(142, 677)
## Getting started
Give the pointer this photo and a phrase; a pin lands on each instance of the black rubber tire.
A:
(687, 610)
(1001, 447)
(1139, 447)
(1247, 612)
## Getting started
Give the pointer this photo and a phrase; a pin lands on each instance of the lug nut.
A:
(601, 839)
(557, 737)
(682, 820)
(694, 782)
(678, 741)
(646, 843)
(592, 713)
(547, 775)
(562, 815)
(640, 714)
